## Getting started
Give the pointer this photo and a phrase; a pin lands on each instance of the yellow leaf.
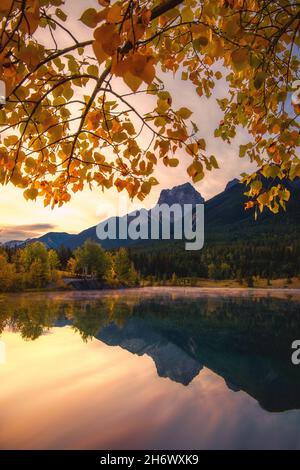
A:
(90, 18)
(114, 14)
(93, 70)
(68, 93)
(187, 14)
(146, 17)
(271, 171)
(239, 58)
(195, 168)
(31, 18)
(214, 162)
(120, 184)
(295, 171)
(276, 128)
(128, 126)
(256, 187)
(60, 14)
(16, 178)
(208, 60)
(99, 158)
(99, 52)
(153, 181)
(132, 81)
(184, 113)
(198, 177)
(146, 187)
(286, 195)
(263, 199)
(30, 162)
(142, 66)
(272, 148)
(5, 5)
(192, 149)
(59, 101)
(119, 137)
(200, 42)
(11, 140)
(31, 193)
(259, 80)
(136, 32)
(163, 105)
(148, 73)
(202, 144)
(249, 205)
(173, 162)
(108, 37)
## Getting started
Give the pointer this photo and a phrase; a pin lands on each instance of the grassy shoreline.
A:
(293, 283)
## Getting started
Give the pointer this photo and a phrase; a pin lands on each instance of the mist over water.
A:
(149, 369)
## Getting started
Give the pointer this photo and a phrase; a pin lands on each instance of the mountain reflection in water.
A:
(246, 341)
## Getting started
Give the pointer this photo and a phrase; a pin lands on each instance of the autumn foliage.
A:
(73, 115)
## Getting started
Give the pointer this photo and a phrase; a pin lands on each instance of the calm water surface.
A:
(149, 369)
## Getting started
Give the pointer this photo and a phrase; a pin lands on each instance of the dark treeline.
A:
(269, 259)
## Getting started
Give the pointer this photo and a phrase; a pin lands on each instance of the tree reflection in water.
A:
(245, 340)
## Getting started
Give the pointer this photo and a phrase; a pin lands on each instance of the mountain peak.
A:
(232, 183)
(182, 194)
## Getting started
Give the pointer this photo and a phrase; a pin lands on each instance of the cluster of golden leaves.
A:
(51, 148)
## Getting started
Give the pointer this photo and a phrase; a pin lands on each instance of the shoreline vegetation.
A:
(35, 268)
(276, 284)
(258, 283)
(65, 285)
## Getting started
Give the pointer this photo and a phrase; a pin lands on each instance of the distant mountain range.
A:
(225, 218)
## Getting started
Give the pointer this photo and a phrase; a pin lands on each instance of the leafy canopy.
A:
(91, 259)
(72, 117)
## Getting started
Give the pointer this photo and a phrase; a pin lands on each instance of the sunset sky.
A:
(21, 219)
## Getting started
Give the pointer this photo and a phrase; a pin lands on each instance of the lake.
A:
(154, 368)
